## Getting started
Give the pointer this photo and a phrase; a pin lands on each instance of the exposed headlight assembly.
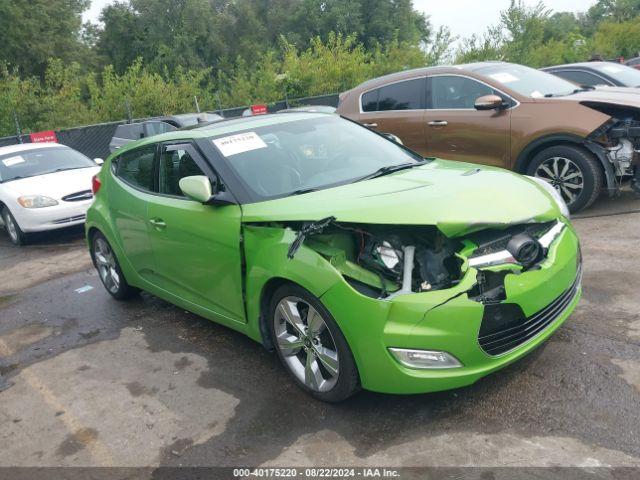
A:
(554, 193)
(36, 201)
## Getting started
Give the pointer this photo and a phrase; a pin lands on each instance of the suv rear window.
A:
(406, 95)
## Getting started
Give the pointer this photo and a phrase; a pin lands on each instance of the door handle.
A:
(371, 125)
(438, 123)
(158, 223)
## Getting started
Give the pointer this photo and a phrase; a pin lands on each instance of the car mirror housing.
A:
(197, 187)
(489, 102)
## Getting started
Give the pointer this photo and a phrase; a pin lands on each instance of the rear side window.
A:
(453, 92)
(136, 167)
(407, 95)
(582, 78)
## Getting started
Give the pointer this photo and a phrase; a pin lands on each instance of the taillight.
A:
(95, 184)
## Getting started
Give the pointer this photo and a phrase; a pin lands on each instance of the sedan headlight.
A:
(36, 201)
(554, 193)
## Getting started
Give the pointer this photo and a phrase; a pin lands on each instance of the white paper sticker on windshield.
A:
(9, 162)
(240, 143)
(611, 69)
(536, 94)
(504, 77)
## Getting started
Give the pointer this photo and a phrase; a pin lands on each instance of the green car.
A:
(362, 264)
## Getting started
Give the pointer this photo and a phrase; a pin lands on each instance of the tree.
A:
(35, 30)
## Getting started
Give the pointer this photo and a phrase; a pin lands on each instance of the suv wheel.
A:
(574, 173)
(16, 235)
(311, 346)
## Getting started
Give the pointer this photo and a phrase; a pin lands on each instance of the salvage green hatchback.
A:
(361, 263)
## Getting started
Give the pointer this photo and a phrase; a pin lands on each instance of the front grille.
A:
(491, 241)
(78, 196)
(504, 326)
(69, 219)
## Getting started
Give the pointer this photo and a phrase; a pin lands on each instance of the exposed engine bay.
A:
(620, 139)
(385, 261)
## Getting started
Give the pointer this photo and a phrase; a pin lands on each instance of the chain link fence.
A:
(93, 140)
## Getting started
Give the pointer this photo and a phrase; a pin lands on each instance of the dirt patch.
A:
(76, 442)
(23, 337)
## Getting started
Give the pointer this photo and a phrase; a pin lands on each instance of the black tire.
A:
(590, 170)
(101, 251)
(15, 233)
(348, 380)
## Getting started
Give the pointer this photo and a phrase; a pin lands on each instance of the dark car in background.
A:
(596, 74)
(511, 116)
(129, 132)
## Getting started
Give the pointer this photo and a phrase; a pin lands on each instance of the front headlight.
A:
(36, 201)
(554, 193)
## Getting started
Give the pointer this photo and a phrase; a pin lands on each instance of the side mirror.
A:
(98, 161)
(489, 102)
(197, 187)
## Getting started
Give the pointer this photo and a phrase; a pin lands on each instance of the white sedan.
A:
(43, 186)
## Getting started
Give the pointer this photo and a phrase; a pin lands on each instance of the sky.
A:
(463, 17)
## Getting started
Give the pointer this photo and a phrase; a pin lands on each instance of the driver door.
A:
(196, 247)
(457, 131)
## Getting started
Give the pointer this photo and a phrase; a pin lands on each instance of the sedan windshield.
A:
(300, 155)
(528, 81)
(628, 76)
(31, 163)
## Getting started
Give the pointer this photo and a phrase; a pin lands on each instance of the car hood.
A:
(606, 95)
(456, 197)
(54, 185)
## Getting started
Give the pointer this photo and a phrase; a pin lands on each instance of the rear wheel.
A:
(574, 173)
(311, 345)
(109, 269)
(16, 235)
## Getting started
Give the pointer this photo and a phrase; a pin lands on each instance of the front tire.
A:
(311, 346)
(16, 235)
(109, 269)
(574, 173)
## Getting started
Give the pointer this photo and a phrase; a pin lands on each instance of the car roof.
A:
(580, 64)
(470, 67)
(221, 127)
(24, 147)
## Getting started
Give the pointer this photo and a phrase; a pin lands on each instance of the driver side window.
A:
(175, 165)
(453, 92)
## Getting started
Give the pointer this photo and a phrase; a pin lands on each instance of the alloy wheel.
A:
(11, 228)
(106, 264)
(564, 175)
(306, 344)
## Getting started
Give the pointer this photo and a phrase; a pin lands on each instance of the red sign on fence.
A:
(41, 137)
(258, 109)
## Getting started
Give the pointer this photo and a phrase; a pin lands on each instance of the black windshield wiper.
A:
(63, 170)
(382, 171)
(302, 191)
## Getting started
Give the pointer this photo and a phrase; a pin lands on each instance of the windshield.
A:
(528, 81)
(299, 155)
(628, 76)
(31, 163)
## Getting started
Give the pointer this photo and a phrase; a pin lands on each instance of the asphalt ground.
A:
(88, 381)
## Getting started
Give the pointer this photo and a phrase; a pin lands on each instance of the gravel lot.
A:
(87, 381)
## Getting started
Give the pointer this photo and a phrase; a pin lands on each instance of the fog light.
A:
(426, 359)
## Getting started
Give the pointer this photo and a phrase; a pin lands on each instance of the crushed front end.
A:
(423, 312)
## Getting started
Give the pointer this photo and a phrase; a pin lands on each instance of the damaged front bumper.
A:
(455, 321)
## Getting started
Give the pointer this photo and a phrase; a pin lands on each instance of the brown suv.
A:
(511, 116)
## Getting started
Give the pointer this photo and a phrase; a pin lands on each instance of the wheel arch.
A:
(536, 146)
(268, 290)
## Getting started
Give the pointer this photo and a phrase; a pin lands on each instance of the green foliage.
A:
(535, 37)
